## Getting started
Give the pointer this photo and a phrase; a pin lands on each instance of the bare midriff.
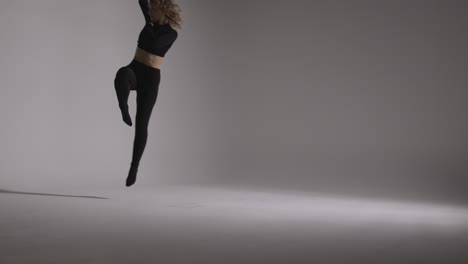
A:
(147, 58)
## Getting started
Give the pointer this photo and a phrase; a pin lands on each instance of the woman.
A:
(143, 74)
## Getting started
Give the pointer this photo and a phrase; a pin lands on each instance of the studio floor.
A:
(215, 224)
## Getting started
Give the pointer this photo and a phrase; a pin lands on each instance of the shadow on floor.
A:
(50, 194)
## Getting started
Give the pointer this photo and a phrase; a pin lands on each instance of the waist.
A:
(148, 59)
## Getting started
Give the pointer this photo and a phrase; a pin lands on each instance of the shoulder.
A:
(173, 30)
(173, 33)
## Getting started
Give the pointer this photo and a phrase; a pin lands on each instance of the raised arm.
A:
(145, 9)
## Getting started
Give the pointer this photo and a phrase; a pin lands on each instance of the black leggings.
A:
(144, 80)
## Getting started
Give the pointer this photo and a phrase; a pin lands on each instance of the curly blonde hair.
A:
(171, 11)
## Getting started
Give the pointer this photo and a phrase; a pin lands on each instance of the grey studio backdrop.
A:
(363, 98)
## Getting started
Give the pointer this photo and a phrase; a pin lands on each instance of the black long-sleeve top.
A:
(155, 38)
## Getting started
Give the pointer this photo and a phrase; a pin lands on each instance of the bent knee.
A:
(126, 74)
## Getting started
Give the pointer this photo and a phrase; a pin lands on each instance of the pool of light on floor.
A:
(313, 207)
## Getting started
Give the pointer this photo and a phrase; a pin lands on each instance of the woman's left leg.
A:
(124, 82)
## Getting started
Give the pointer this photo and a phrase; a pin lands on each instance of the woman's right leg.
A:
(125, 80)
(147, 94)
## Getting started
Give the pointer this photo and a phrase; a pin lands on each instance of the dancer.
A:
(143, 74)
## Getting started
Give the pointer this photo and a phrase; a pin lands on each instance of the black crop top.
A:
(154, 38)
